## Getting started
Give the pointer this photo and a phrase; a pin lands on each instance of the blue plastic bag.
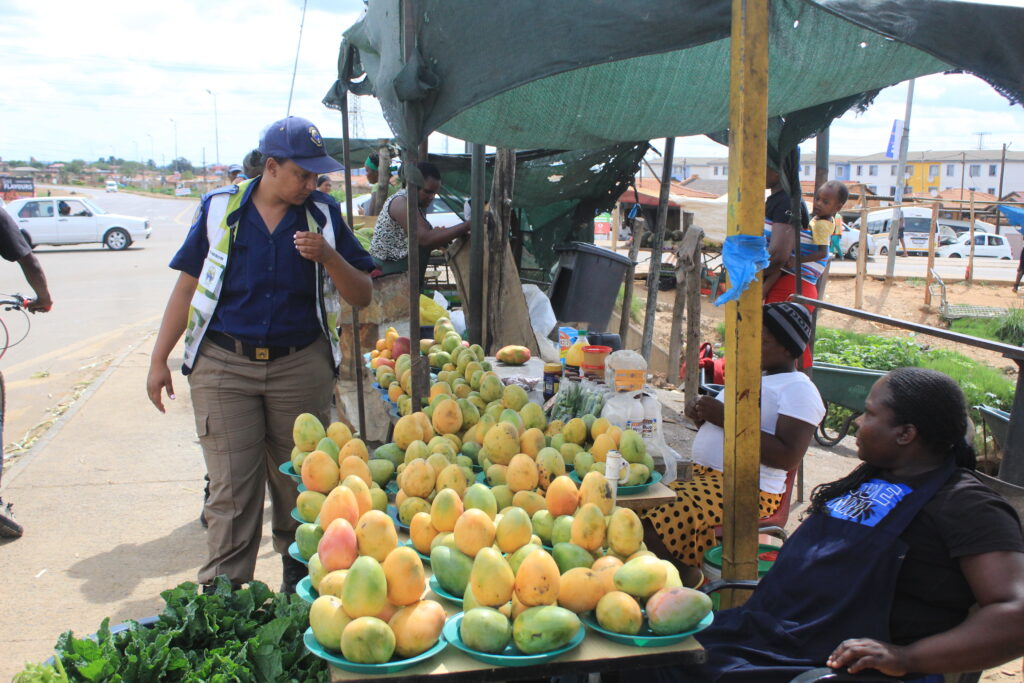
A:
(743, 256)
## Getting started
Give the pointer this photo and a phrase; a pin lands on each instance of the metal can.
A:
(552, 379)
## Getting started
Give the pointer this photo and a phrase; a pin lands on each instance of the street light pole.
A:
(175, 145)
(216, 127)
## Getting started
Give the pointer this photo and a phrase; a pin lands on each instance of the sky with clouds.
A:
(85, 82)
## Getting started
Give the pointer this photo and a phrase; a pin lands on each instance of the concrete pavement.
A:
(110, 500)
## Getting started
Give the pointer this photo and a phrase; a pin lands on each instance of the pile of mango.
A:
(333, 464)
(574, 553)
(370, 606)
(374, 610)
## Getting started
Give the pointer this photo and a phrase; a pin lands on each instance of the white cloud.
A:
(80, 81)
(87, 82)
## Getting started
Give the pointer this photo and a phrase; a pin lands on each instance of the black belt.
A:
(259, 353)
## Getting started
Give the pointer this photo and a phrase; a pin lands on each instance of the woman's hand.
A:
(706, 409)
(313, 246)
(857, 654)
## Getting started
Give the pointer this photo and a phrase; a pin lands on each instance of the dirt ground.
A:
(902, 299)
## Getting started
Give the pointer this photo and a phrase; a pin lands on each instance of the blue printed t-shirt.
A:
(268, 295)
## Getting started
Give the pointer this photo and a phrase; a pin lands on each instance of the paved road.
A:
(104, 302)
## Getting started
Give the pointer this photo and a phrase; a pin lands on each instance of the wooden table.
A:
(594, 654)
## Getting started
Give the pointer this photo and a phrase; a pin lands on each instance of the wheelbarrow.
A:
(843, 386)
(994, 422)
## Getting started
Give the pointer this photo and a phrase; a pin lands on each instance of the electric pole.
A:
(901, 181)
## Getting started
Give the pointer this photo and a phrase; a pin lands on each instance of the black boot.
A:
(9, 527)
(206, 499)
(294, 571)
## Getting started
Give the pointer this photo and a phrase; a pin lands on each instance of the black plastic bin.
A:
(586, 284)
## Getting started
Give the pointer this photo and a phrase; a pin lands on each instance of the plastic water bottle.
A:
(616, 471)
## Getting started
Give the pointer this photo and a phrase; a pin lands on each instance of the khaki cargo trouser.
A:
(244, 412)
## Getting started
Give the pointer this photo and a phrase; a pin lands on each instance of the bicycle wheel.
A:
(828, 437)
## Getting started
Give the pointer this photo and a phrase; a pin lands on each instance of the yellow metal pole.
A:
(931, 254)
(748, 103)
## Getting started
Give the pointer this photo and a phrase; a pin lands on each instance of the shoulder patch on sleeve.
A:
(226, 189)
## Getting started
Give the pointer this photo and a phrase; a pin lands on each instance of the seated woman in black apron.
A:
(883, 571)
(390, 245)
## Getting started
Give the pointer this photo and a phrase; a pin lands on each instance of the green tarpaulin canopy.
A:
(582, 74)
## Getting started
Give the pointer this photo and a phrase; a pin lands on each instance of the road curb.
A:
(12, 472)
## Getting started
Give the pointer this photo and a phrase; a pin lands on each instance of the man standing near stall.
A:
(257, 300)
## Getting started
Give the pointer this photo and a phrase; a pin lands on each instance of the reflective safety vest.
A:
(222, 217)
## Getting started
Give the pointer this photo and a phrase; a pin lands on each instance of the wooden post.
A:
(656, 245)
(380, 195)
(693, 276)
(418, 366)
(357, 352)
(931, 255)
(748, 99)
(862, 251)
(497, 239)
(478, 175)
(628, 285)
(970, 261)
(675, 334)
(821, 158)
(616, 223)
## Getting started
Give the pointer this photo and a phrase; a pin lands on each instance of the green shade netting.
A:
(582, 74)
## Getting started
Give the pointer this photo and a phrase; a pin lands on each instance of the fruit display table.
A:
(594, 654)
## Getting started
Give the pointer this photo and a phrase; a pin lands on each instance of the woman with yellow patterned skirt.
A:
(791, 408)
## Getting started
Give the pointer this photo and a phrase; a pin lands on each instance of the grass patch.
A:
(986, 328)
(637, 305)
(980, 383)
(1011, 327)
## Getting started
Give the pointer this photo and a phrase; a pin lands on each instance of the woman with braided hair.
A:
(889, 560)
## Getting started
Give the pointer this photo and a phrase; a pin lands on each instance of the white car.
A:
(438, 213)
(111, 186)
(849, 242)
(991, 246)
(75, 220)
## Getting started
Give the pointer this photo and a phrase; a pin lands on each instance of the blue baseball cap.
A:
(298, 139)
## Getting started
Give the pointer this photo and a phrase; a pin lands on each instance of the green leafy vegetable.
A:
(251, 634)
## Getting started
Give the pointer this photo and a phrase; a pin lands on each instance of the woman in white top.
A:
(791, 408)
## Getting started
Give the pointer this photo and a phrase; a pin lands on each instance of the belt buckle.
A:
(262, 353)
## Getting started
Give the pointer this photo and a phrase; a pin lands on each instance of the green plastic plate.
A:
(391, 488)
(481, 478)
(646, 637)
(425, 558)
(510, 656)
(625, 490)
(394, 666)
(296, 517)
(393, 511)
(286, 468)
(293, 550)
(436, 587)
(304, 589)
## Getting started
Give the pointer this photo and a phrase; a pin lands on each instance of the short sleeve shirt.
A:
(784, 393)
(822, 230)
(964, 518)
(268, 296)
(12, 245)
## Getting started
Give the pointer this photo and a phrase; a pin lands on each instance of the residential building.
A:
(927, 173)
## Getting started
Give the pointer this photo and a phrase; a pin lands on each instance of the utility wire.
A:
(296, 67)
